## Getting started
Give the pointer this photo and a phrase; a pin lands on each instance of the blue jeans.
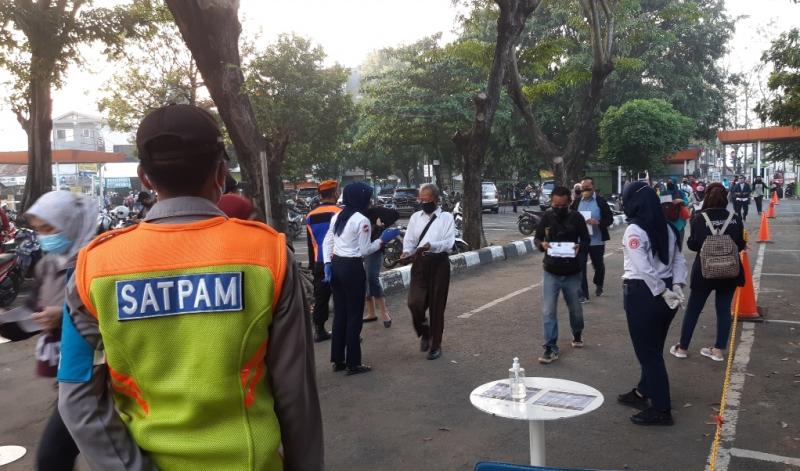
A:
(697, 300)
(372, 265)
(570, 285)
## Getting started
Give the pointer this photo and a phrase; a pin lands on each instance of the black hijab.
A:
(643, 207)
(355, 197)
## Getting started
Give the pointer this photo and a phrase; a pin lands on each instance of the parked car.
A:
(489, 197)
(544, 193)
(404, 200)
(385, 195)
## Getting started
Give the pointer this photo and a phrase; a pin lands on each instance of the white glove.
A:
(671, 298)
(678, 290)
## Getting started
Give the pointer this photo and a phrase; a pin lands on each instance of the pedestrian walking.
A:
(594, 208)
(760, 191)
(346, 245)
(713, 219)
(528, 191)
(379, 218)
(741, 197)
(561, 234)
(318, 221)
(65, 222)
(198, 323)
(654, 274)
(429, 238)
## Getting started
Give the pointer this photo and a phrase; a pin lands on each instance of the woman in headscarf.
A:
(66, 222)
(654, 274)
(346, 244)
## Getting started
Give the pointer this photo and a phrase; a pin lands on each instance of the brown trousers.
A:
(430, 282)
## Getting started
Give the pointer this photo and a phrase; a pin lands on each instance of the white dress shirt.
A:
(354, 241)
(441, 235)
(640, 263)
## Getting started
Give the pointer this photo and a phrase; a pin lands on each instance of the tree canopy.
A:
(640, 133)
(784, 55)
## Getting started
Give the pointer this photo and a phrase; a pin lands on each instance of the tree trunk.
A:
(472, 145)
(211, 30)
(38, 126)
(276, 151)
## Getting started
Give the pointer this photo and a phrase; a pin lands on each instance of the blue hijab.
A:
(643, 207)
(355, 197)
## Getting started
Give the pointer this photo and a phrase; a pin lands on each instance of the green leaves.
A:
(784, 55)
(640, 133)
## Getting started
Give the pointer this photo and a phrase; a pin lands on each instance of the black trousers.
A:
(430, 283)
(349, 286)
(649, 318)
(57, 450)
(741, 208)
(322, 295)
(758, 200)
(595, 253)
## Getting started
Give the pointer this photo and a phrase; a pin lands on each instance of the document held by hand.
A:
(561, 249)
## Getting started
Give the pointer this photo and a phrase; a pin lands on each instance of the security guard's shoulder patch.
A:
(180, 294)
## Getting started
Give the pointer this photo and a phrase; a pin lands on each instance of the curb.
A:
(399, 279)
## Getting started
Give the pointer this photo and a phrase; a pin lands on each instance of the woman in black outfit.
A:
(714, 205)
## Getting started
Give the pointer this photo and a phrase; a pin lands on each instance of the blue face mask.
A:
(55, 243)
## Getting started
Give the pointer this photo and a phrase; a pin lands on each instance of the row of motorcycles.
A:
(529, 219)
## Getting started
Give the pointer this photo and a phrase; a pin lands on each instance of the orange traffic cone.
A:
(775, 198)
(763, 230)
(771, 210)
(744, 300)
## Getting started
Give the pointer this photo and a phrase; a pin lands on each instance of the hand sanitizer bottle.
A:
(516, 376)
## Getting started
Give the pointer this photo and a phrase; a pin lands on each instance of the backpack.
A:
(719, 256)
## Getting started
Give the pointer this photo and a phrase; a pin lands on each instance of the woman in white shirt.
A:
(345, 245)
(654, 274)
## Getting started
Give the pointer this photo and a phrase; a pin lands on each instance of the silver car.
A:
(489, 197)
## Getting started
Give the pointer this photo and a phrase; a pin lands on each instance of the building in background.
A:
(78, 131)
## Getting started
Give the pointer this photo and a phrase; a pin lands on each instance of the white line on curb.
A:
(779, 321)
(497, 301)
(780, 274)
(757, 455)
(740, 361)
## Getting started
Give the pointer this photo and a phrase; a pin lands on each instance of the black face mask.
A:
(561, 212)
(429, 207)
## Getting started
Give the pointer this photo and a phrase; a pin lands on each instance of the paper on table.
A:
(588, 215)
(562, 249)
(565, 400)
(502, 391)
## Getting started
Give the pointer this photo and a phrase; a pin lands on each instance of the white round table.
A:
(547, 399)
(11, 453)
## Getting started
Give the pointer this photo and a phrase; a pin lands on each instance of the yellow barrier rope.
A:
(719, 418)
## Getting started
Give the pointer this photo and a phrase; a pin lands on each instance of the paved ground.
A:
(411, 413)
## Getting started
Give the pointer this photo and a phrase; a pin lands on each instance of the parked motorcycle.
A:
(458, 216)
(294, 221)
(393, 249)
(11, 278)
(28, 251)
(528, 221)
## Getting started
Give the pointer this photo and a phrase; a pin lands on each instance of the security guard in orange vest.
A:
(174, 355)
(318, 221)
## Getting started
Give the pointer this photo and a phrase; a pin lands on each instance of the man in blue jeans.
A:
(560, 235)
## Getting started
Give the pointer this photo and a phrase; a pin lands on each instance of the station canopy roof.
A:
(65, 156)
(746, 136)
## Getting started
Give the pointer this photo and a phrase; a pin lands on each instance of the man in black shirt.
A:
(741, 197)
(561, 234)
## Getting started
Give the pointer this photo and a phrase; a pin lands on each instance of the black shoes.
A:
(653, 416)
(338, 367)
(434, 354)
(424, 343)
(320, 334)
(549, 356)
(634, 399)
(577, 341)
(356, 370)
(599, 291)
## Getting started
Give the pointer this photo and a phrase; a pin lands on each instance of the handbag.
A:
(407, 260)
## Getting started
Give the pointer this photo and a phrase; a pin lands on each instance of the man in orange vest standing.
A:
(187, 345)
(318, 221)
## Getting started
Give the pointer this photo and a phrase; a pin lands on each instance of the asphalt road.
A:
(411, 413)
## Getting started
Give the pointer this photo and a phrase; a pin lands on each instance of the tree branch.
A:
(514, 88)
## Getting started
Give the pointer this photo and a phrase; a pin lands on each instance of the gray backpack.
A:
(719, 256)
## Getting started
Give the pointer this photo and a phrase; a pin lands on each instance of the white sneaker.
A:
(712, 353)
(677, 352)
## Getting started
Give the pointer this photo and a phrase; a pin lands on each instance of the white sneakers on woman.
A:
(678, 352)
(713, 353)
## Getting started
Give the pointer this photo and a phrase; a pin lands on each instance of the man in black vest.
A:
(741, 197)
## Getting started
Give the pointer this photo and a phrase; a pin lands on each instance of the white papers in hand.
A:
(561, 249)
(588, 215)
